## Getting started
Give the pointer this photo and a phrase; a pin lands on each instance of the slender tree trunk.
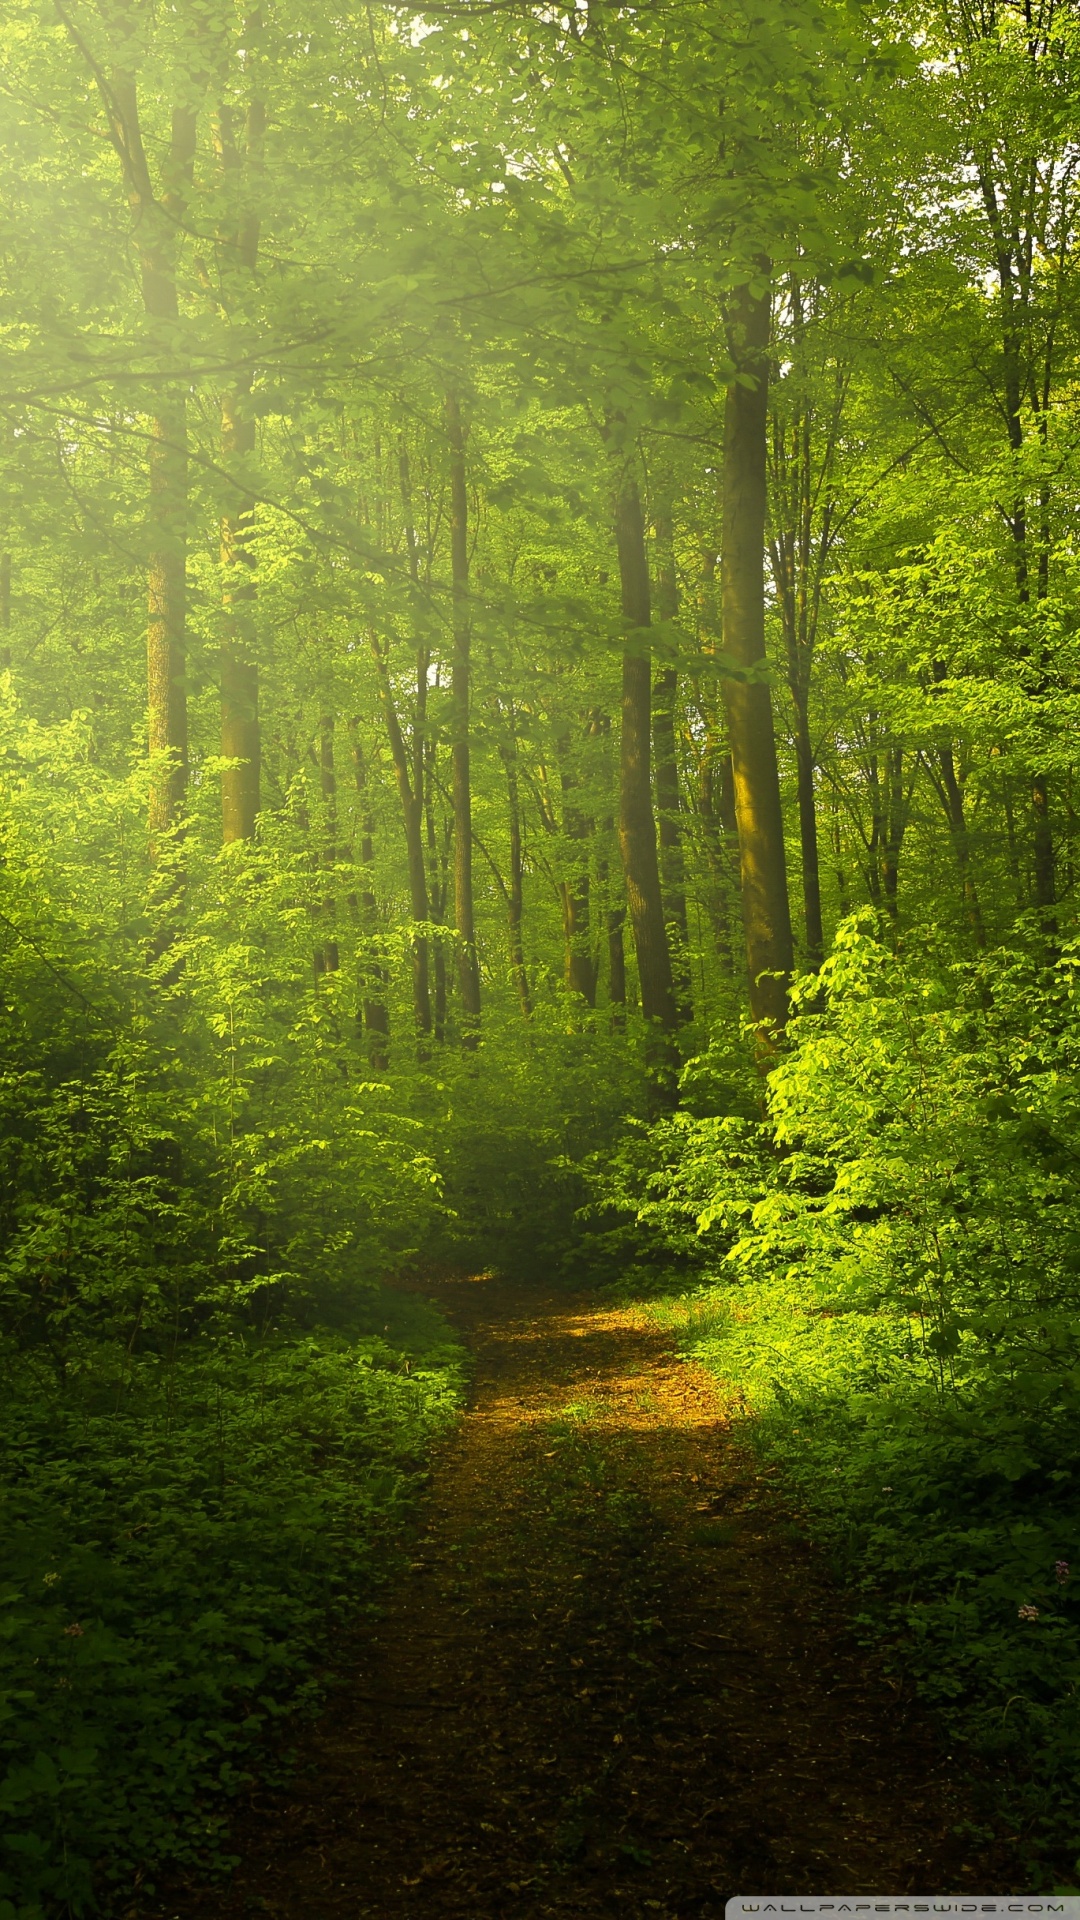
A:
(437, 870)
(328, 958)
(409, 772)
(157, 225)
(894, 822)
(843, 904)
(668, 799)
(1007, 249)
(666, 764)
(876, 860)
(515, 896)
(166, 625)
(580, 965)
(716, 811)
(616, 921)
(637, 827)
(766, 913)
(157, 222)
(240, 732)
(952, 795)
(715, 799)
(374, 1018)
(808, 836)
(468, 967)
(412, 810)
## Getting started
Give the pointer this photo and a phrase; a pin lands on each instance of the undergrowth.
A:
(882, 1266)
(178, 1541)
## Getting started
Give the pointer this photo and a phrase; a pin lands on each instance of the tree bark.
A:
(240, 731)
(438, 889)
(894, 826)
(409, 773)
(1012, 222)
(616, 920)
(156, 223)
(515, 901)
(412, 810)
(166, 626)
(468, 967)
(666, 763)
(716, 811)
(952, 797)
(374, 1019)
(637, 827)
(808, 834)
(763, 872)
(157, 226)
(580, 965)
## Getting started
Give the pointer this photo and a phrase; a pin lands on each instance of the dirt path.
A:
(613, 1680)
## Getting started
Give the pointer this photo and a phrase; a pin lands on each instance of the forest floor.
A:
(613, 1679)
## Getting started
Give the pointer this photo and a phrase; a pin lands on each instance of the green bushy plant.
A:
(212, 1415)
(892, 1303)
(178, 1535)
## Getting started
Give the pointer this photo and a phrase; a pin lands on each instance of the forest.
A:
(539, 695)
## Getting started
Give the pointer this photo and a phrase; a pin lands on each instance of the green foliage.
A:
(178, 1536)
(891, 1305)
(212, 1414)
(249, 256)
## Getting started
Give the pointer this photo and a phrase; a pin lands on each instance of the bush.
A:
(178, 1537)
(892, 1304)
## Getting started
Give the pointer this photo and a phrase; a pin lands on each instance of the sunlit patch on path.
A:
(613, 1678)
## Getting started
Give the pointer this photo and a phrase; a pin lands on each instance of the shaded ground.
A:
(614, 1679)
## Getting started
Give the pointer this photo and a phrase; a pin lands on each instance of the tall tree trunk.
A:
(808, 834)
(468, 967)
(240, 732)
(437, 890)
(668, 800)
(580, 965)
(157, 226)
(666, 765)
(763, 872)
(952, 798)
(374, 1018)
(716, 811)
(843, 903)
(157, 223)
(412, 809)
(616, 950)
(409, 773)
(637, 827)
(715, 798)
(894, 824)
(1005, 221)
(515, 902)
(166, 627)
